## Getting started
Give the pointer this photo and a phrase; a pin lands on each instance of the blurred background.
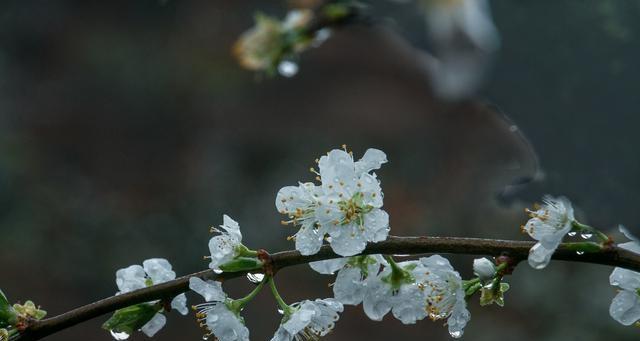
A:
(127, 129)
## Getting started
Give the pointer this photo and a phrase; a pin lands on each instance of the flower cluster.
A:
(147, 317)
(411, 290)
(346, 206)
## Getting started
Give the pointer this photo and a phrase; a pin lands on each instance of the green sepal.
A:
(586, 247)
(8, 315)
(131, 318)
(489, 296)
(241, 264)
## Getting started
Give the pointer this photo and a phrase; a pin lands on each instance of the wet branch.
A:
(516, 250)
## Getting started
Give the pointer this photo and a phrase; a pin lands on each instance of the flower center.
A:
(354, 209)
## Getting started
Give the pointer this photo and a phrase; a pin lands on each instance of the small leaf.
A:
(131, 318)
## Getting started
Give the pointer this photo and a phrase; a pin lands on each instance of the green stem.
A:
(283, 305)
(469, 283)
(240, 303)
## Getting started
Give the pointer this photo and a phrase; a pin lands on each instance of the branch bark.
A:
(517, 250)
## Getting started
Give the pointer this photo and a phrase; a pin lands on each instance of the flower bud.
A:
(484, 268)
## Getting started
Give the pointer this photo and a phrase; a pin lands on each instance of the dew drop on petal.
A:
(255, 278)
(586, 235)
(119, 335)
(572, 233)
(218, 271)
(456, 334)
(287, 68)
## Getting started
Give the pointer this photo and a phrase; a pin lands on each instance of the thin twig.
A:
(518, 250)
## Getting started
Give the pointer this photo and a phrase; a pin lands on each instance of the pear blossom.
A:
(354, 276)
(548, 225)
(346, 206)
(215, 315)
(403, 293)
(227, 245)
(445, 294)
(309, 320)
(484, 269)
(625, 307)
(153, 271)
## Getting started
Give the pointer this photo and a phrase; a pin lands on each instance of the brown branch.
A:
(517, 250)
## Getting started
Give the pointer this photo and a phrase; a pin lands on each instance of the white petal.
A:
(349, 288)
(225, 325)
(232, 227)
(326, 314)
(625, 279)
(210, 290)
(179, 303)
(631, 246)
(372, 159)
(539, 256)
(282, 335)
(436, 263)
(625, 307)
(348, 240)
(378, 299)
(298, 320)
(290, 199)
(410, 304)
(222, 249)
(159, 270)
(309, 240)
(131, 278)
(337, 171)
(627, 233)
(376, 225)
(330, 266)
(369, 186)
(459, 318)
(154, 325)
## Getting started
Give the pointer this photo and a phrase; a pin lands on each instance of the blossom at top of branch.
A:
(309, 320)
(548, 225)
(216, 315)
(148, 317)
(346, 206)
(625, 307)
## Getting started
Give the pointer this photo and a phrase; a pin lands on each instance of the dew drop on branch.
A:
(579, 253)
(119, 335)
(255, 278)
(287, 68)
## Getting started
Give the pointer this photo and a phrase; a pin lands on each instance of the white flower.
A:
(153, 271)
(445, 294)
(215, 315)
(484, 269)
(354, 276)
(225, 246)
(404, 296)
(625, 307)
(346, 205)
(309, 320)
(548, 224)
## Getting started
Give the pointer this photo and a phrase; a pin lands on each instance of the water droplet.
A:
(205, 337)
(579, 253)
(287, 68)
(572, 233)
(456, 334)
(586, 235)
(255, 278)
(280, 311)
(218, 271)
(119, 335)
